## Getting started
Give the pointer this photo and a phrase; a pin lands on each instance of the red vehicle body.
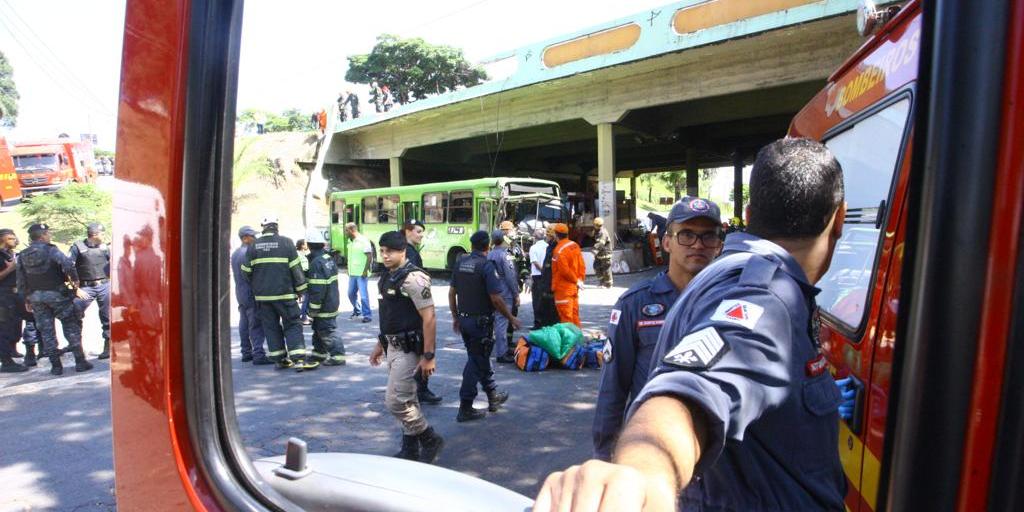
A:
(48, 165)
(10, 189)
(923, 304)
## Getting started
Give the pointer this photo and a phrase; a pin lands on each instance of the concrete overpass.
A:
(694, 84)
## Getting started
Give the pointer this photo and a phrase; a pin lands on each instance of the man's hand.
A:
(426, 368)
(598, 486)
(579, 285)
(81, 294)
(517, 301)
(375, 356)
(455, 326)
(516, 324)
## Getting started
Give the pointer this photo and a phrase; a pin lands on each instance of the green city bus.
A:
(451, 211)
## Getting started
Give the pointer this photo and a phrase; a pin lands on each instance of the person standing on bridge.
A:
(567, 274)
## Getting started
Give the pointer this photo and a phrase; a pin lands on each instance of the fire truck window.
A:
(388, 213)
(461, 207)
(868, 152)
(433, 208)
(370, 210)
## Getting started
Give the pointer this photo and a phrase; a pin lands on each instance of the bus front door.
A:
(485, 214)
(411, 210)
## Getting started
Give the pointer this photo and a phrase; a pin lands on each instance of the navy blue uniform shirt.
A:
(492, 281)
(633, 331)
(737, 345)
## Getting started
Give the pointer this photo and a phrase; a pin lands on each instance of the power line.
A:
(445, 16)
(62, 67)
(50, 73)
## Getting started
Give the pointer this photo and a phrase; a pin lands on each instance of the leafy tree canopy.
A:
(8, 94)
(68, 211)
(413, 68)
(291, 120)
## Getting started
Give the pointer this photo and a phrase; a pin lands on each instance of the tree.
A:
(413, 68)
(676, 180)
(8, 94)
(68, 211)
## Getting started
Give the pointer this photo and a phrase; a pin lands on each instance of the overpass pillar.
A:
(606, 177)
(395, 168)
(692, 181)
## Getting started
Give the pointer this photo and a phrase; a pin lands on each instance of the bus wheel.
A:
(453, 256)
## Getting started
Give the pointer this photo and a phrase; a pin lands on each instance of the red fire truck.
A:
(48, 165)
(923, 306)
(10, 189)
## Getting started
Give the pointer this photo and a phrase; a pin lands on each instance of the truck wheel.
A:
(453, 256)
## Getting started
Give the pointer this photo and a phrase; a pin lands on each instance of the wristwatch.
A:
(429, 356)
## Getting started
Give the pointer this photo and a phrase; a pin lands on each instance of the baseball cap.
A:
(506, 224)
(245, 231)
(94, 228)
(598, 221)
(393, 240)
(498, 236)
(562, 228)
(38, 228)
(694, 207)
(415, 222)
(479, 238)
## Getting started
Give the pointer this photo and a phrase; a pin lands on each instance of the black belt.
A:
(93, 282)
(469, 315)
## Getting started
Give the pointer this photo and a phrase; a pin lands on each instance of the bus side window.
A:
(460, 210)
(350, 213)
(434, 206)
(370, 210)
(337, 207)
(388, 212)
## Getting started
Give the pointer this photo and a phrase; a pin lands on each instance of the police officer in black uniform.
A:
(273, 268)
(413, 230)
(45, 274)
(10, 305)
(473, 297)
(91, 258)
(408, 327)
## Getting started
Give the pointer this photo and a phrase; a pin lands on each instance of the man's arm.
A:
(616, 381)
(453, 307)
(499, 304)
(317, 286)
(653, 462)
(11, 266)
(368, 251)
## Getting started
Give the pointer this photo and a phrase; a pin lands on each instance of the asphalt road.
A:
(56, 453)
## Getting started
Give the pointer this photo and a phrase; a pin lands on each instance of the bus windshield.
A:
(26, 161)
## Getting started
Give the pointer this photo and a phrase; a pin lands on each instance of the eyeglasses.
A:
(710, 239)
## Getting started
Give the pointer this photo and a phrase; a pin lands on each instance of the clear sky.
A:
(66, 54)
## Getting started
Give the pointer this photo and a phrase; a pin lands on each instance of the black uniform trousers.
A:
(477, 333)
(281, 326)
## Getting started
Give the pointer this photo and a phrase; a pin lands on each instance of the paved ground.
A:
(57, 449)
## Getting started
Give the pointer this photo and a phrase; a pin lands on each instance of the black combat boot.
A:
(410, 448)
(8, 365)
(495, 398)
(430, 443)
(106, 350)
(30, 355)
(81, 364)
(56, 368)
(468, 413)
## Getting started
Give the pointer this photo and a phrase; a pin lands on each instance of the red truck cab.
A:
(49, 165)
(10, 188)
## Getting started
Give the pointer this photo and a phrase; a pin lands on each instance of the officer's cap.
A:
(94, 228)
(411, 223)
(694, 207)
(479, 238)
(38, 228)
(245, 231)
(562, 228)
(497, 236)
(393, 240)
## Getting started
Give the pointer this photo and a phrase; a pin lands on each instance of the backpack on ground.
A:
(530, 358)
(593, 354)
(573, 360)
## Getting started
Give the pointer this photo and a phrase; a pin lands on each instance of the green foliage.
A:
(291, 120)
(68, 211)
(249, 163)
(8, 94)
(413, 68)
(100, 153)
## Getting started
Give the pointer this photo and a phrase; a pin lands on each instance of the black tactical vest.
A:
(10, 280)
(93, 262)
(42, 272)
(398, 313)
(470, 285)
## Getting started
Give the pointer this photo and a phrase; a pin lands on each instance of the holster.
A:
(411, 341)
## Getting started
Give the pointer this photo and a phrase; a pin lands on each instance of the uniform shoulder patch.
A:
(653, 309)
(616, 315)
(606, 352)
(738, 312)
(698, 350)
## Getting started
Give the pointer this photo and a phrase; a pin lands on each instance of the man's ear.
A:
(838, 219)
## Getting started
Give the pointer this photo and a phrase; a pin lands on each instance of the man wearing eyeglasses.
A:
(693, 239)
